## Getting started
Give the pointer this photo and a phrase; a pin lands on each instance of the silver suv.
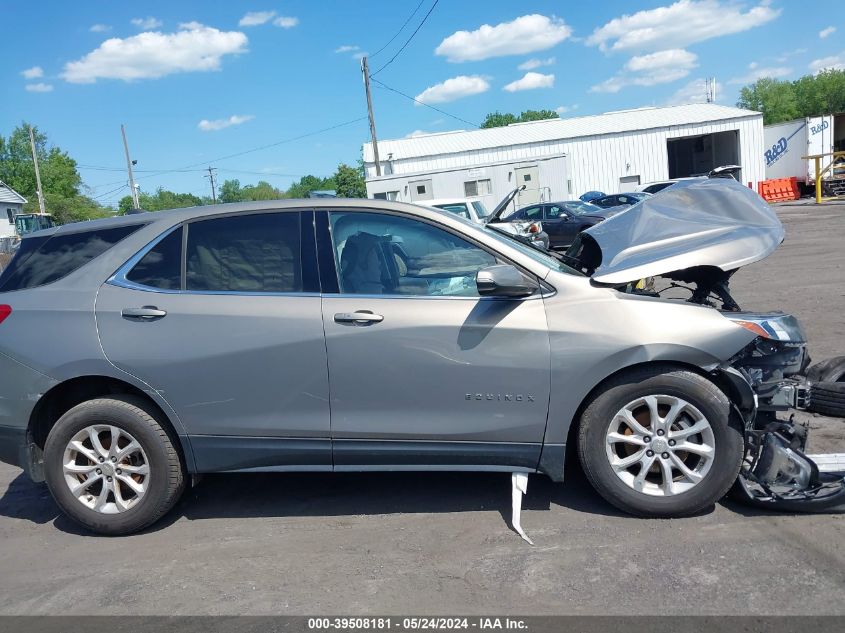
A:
(347, 335)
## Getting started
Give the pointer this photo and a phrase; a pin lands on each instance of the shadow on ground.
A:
(328, 494)
(347, 494)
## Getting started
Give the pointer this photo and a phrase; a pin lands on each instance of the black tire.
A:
(166, 469)
(830, 370)
(698, 391)
(828, 398)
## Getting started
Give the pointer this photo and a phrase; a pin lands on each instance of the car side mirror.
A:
(503, 280)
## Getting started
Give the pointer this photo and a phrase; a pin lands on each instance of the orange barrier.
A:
(779, 189)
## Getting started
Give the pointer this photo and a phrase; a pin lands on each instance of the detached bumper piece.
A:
(777, 474)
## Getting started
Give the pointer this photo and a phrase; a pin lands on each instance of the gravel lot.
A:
(440, 543)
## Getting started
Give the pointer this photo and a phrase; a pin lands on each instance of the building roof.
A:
(554, 129)
(7, 194)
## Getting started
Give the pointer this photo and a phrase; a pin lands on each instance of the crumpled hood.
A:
(714, 222)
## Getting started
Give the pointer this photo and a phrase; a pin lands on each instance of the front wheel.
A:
(111, 466)
(659, 442)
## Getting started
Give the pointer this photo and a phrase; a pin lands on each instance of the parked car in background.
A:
(590, 196)
(725, 171)
(475, 211)
(563, 221)
(620, 199)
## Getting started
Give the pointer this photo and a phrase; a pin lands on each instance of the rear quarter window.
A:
(43, 260)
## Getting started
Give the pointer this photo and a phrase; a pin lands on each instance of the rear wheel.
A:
(659, 442)
(111, 466)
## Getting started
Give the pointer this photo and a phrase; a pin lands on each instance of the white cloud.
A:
(531, 64)
(152, 55)
(33, 73)
(680, 24)
(564, 108)
(39, 87)
(833, 62)
(525, 34)
(531, 81)
(218, 124)
(758, 72)
(347, 48)
(256, 18)
(147, 24)
(693, 92)
(828, 31)
(417, 133)
(286, 22)
(100, 28)
(454, 88)
(652, 69)
(798, 51)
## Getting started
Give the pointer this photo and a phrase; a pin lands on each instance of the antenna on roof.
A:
(710, 89)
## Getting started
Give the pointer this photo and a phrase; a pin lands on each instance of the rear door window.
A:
(245, 253)
(42, 260)
(161, 267)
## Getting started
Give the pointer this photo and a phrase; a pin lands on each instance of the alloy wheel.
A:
(106, 469)
(660, 445)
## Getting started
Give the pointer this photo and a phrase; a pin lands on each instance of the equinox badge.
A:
(501, 397)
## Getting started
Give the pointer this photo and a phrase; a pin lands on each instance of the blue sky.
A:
(196, 82)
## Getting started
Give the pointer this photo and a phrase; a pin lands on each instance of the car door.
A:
(222, 317)
(423, 371)
(556, 222)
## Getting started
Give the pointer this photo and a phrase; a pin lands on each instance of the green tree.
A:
(500, 119)
(160, 200)
(349, 181)
(774, 98)
(307, 184)
(60, 178)
(262, 191)
(230, 191)
(811, 95)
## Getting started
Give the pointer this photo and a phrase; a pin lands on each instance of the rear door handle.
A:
(361, 317)
(147, 313)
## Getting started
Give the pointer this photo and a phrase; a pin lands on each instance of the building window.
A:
(421, 190)
(386, 195)
(474, 188)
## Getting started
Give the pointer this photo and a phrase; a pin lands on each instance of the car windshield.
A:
(480, 210)
(580, 208)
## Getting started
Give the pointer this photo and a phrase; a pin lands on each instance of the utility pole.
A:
(135, 203)
(37, 172)
(210, 177)
(365, 68)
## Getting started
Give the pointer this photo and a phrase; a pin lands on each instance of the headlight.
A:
(773, 325)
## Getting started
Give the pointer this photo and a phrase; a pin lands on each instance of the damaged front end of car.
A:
(776, 471)
(701, 234)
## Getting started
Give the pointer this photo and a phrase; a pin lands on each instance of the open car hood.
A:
(714, 223)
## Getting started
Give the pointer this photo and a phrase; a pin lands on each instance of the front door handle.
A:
(361, 317)
(147, 313)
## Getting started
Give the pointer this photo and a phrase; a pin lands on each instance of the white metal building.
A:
(560, 159)
(11, 204)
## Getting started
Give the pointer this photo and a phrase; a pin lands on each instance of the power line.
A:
(188, 168)
(282, 142)
(408, 41)
(103, 195)
(415, 100)
(402, 28)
